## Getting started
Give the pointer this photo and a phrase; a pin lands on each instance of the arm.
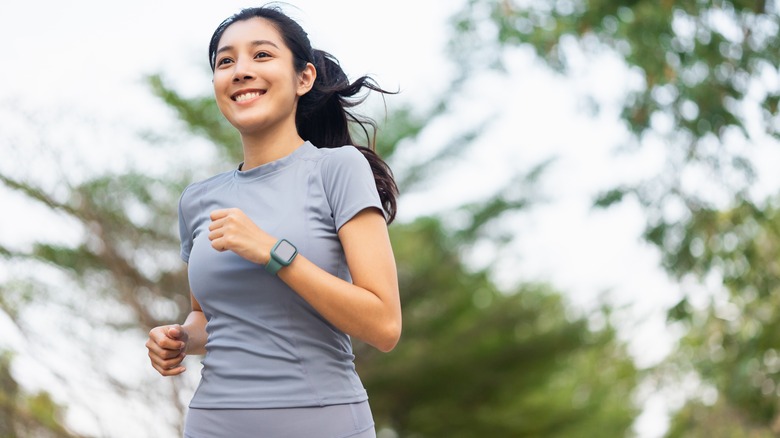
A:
(368, 309)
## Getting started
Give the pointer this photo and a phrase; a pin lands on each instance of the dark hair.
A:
(322, 116)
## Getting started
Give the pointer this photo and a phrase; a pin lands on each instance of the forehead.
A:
(246, 31)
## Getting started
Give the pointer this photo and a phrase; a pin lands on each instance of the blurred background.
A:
(588, 241)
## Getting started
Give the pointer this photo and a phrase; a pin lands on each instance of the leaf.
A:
(610, 197)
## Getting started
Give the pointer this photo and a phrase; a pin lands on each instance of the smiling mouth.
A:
(246, 96)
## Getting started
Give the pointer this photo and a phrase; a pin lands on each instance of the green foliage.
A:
(705, 70)
(121, 215)
(515, 196)
(686, 48)
(15, 295)
(733, 342)
(610, 197)
(405, 125)
(478, 361)
(719, 421)
(23, 415)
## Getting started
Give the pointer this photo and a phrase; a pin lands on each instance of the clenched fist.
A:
(167, 346)
(232, 230)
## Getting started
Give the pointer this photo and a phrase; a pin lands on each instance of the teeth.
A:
(247, 96)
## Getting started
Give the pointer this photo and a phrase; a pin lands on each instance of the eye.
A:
(223, 61)
(262, 55)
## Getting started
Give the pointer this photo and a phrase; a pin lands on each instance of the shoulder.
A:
(194, 190)
(334, 161)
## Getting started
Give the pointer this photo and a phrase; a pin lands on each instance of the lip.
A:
(245, 91)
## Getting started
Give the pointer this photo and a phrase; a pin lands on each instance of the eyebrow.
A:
(253, 44)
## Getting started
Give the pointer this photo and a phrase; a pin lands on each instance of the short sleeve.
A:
(184, 232)
(349, 184)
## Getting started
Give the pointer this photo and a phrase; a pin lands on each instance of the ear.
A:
(306, 79)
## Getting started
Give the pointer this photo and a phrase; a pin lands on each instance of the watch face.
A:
(285, 250)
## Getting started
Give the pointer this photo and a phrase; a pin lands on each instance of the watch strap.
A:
(273, 266)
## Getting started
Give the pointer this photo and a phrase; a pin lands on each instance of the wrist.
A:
(281, 255)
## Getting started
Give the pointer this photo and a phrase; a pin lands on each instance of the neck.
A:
(267, 146)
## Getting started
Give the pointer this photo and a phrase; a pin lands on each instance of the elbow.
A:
(389, 338)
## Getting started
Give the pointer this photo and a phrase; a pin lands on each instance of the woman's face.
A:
(255, 84)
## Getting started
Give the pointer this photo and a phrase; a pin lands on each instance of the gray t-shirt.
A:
(267, 347)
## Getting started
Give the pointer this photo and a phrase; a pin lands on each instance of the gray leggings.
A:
(335, 421)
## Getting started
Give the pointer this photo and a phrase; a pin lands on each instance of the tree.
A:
(707, 91)
(117, 280)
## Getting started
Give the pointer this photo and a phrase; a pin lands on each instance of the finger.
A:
(155, 351)
(219, 244)
(216, 234)
(169, 372)
(164, 354)
(159, 335)
(174, 331)
(164, 342)
(217, 224)
(169, 362)
(173, 362)
(169, 343)
(175, 371)
(219, 214)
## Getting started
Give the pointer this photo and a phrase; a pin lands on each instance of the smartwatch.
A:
(282, 254)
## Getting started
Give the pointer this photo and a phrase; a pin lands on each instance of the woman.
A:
(288, 256)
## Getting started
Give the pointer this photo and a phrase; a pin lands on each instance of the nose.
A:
(242, 72)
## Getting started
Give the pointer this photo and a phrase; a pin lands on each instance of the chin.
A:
(246, 125)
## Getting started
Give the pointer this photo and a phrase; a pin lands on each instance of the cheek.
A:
(218, 82)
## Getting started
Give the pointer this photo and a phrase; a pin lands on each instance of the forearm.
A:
(195, 325)
(355, 310)
(369, 308)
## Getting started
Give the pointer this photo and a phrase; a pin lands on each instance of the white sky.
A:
(89, 57)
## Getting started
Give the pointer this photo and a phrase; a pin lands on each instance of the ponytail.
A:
(323, 118)
(322, 115)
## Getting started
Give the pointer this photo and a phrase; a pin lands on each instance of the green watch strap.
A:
(272, 267)
(282, 254)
